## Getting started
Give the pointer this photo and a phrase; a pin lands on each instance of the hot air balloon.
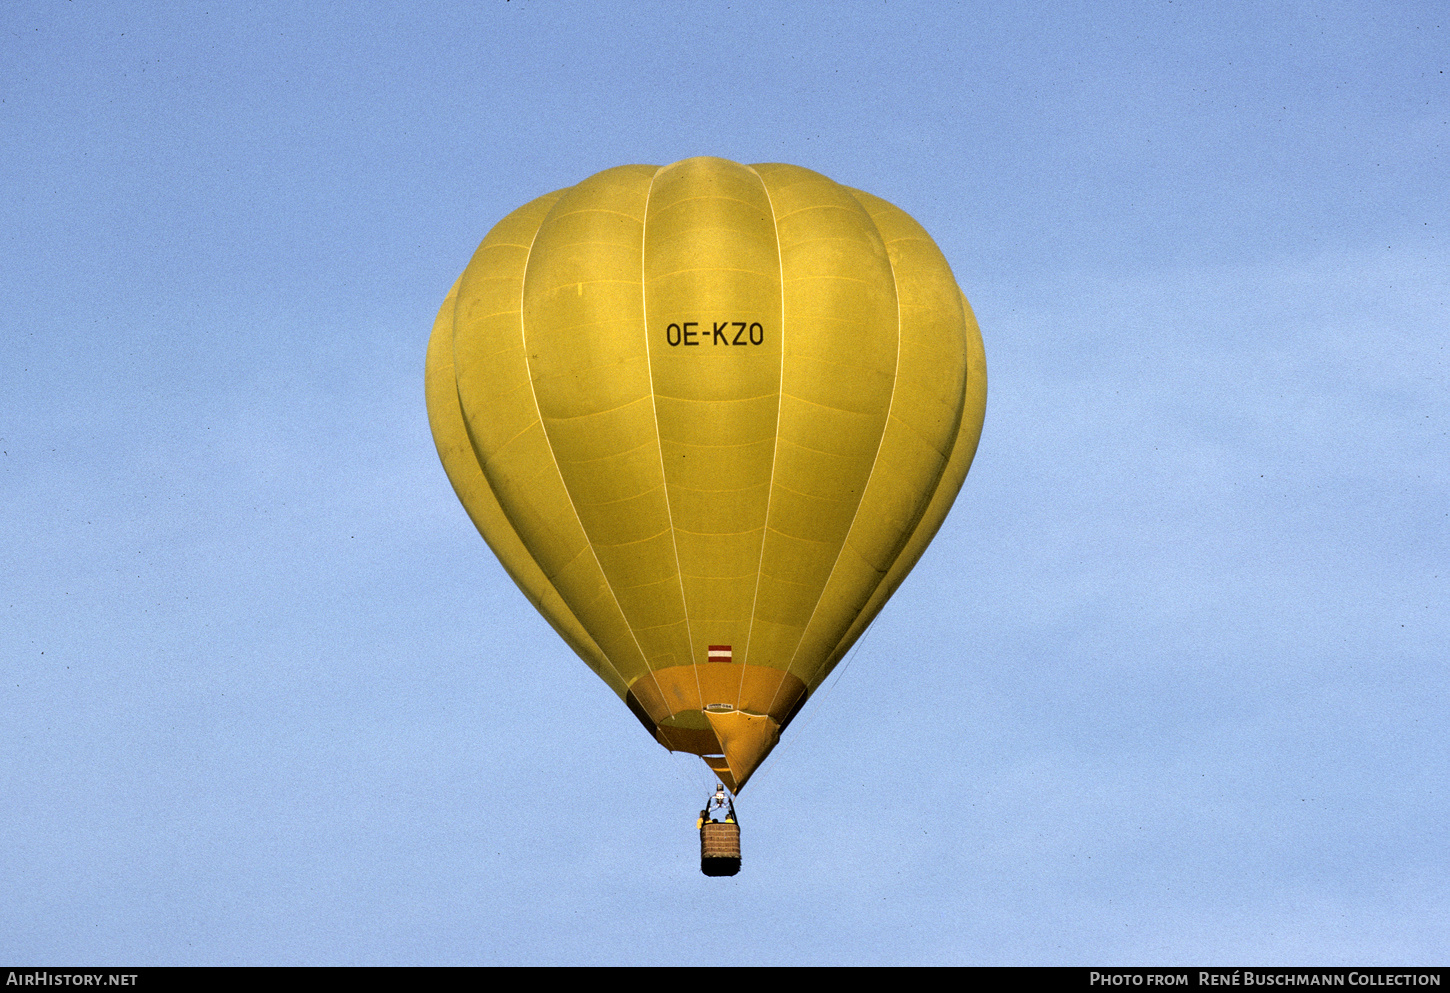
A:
(708, 416)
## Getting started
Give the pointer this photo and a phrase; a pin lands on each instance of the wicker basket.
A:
(719, 848)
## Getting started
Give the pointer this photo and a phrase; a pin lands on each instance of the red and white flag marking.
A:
(720, 653)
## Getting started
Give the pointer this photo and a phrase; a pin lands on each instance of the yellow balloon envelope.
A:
(708, 416)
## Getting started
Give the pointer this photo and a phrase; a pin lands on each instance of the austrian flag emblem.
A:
(720, 653)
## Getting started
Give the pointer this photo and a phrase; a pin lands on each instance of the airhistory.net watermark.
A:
(42, 978)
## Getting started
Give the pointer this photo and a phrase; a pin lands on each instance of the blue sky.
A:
(1169, 687)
